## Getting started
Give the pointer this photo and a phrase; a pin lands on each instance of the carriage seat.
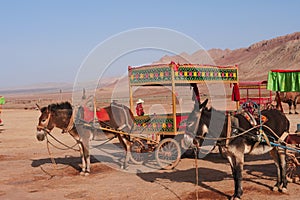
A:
(101, 115)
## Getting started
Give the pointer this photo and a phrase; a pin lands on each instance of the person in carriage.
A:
(139, 107)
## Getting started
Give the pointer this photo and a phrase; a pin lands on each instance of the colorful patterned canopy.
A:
(284, 80)
(183, 73)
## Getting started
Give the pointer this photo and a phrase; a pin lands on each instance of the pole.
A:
(173, 100)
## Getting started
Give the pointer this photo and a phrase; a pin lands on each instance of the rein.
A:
(231, 137)
(63, 144)
(287, 146)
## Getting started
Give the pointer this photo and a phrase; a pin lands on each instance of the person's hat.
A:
(139, 101)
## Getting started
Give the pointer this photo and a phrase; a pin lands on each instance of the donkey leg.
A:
(282, 158)
(87, 159)
(275, 156)
(123, 142)
(290, 107)
(126, 160)
(236, 162)
(83, 160)
(295, 107)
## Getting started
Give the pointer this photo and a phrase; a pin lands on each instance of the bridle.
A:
(45, 127)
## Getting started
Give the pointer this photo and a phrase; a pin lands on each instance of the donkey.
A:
(203, 121)
(291, 98)
(62, 116)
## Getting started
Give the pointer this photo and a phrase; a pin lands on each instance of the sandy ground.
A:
(28, 173)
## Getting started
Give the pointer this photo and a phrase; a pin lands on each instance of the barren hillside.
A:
(254, 61)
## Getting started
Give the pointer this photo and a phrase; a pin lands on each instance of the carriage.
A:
(162, 128)
(255, 91)
(287, 81)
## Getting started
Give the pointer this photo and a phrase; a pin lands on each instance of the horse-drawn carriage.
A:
(153, 132)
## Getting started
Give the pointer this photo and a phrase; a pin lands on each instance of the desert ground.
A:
(27, 171)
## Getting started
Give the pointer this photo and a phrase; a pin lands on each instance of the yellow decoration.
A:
(154, 125)
(161, 74)
(141, 76)
(164, 125)
(195, 73)
(176, 73)
(151, 75)
(185, 73)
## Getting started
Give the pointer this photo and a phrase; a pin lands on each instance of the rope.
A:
(232, 137)
(103, 143)
(49, 152)
(196, 168)
(58, 141)
(287, 146)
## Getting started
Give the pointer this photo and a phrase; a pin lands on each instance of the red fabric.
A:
(283, 70)
(101, 115)
(139, 109)
(180, 118)
(235, 93)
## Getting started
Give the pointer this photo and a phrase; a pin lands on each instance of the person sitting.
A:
(139, 108)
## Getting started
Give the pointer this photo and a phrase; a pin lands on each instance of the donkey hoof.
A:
(275, 189)
(284, 190)
(86, 173)
(82, 173)
(235, 198)
(124, 167)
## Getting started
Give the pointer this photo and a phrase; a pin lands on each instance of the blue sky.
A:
(47, 41)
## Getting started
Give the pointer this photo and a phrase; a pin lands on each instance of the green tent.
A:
(2, 100)
(284, 80)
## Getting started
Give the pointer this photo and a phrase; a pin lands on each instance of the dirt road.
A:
(28, 173)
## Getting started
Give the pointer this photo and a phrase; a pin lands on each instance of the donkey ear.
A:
(203, 105)
(37, 105)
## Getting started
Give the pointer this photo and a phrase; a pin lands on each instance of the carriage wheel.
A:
(138, 151)
(291, 166)
(168, 153)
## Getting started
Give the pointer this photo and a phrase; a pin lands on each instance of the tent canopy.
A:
(284, 80)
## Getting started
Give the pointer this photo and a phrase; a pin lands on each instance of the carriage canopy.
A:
(176, 75)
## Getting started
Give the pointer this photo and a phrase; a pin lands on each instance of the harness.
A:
(44, 128)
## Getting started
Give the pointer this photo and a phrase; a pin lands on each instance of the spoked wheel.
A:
(291, 167)
(168, 153)
(138, 151)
